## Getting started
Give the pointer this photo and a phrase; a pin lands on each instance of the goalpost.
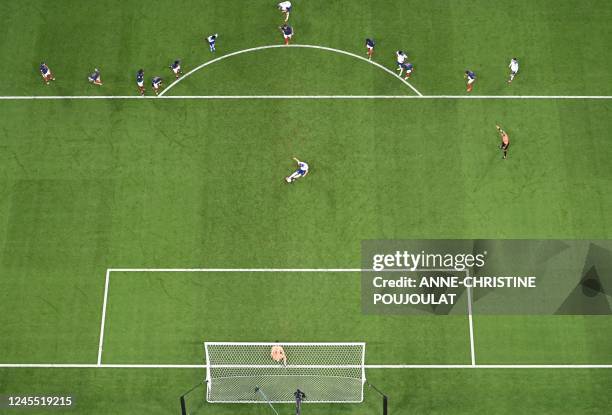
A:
(324, 372)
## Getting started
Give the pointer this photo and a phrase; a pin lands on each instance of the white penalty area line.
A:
(103, 320)
(247, 270)
(471, 323)
(202, 366)
(305, 97)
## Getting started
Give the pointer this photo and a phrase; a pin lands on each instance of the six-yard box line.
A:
(473, 364)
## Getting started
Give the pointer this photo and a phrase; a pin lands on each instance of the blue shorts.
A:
(301, 172)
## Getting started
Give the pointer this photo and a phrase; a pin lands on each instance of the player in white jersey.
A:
(285, 8)
(514, 68)
(401, 58)
(300, 172)
(212, 40)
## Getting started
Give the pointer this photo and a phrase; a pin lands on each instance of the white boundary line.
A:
(201, 366)
(239, 52)
(471, 322)
(303, 97)
(103, 320)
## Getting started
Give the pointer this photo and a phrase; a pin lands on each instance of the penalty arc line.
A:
(343, 52)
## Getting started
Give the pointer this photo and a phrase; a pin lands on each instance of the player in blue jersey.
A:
(212, 39)
(409, 68)
(156, 83)
(176, 68)
(285, 8)
(46, 73)
(140, 81)
(287, 32)
(369, 44)
(400, 57)
(94, 78)
(300, 172)
(470, 78)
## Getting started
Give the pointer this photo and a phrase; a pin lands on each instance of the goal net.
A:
(325, 372)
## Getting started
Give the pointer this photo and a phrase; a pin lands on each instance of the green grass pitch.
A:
(87, 185)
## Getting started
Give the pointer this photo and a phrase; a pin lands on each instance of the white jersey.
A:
(514, 65)
(284, 5)
(401, 57)
(303, 166)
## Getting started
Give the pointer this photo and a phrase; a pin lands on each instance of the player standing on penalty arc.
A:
(400, 57)
(277, 353)
(369, 44)
(505, 141)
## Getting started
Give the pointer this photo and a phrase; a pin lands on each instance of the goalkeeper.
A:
(278, 354)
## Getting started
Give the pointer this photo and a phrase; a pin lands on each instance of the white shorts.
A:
(140, 84)
(177, 69)
(471, 81)
(287, 36)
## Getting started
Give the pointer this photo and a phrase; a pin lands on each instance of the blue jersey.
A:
(140, 77)
(44, 69)
(287, 30)
(370, 43)
(175, 65)
(95, 75)
(471, 75)
(408, 66)
(302, 168)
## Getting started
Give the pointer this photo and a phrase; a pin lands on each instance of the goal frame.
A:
(209, 379)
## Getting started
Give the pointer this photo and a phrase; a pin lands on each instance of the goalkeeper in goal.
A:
(278, 354)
